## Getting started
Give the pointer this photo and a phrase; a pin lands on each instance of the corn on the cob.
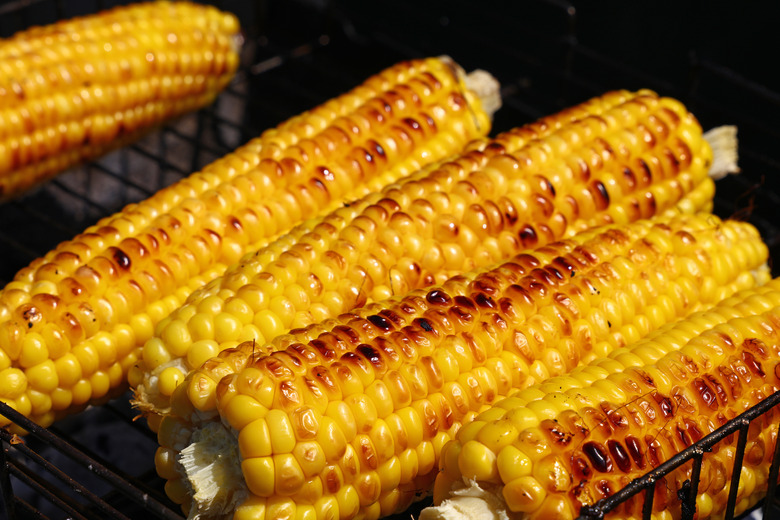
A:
(348, 417)
(71, 91)
(617, 158)
(73, 322)
(545, 458)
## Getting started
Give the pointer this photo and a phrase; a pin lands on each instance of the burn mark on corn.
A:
(598, 456)
(394, 318)
(438, 297)
(620, 455)
(753, 364)
(484, 301)
(600, 195)
(424, 324)
(372, 355)
(580, 468)
(706, 393)
(31, 314)
(732, 380)
(380, 322)
(604, 488)
(664, 404)
(634, 449)
(556, 433)
(121, 259)
(693, 429)
(682, 435)
(527, 235)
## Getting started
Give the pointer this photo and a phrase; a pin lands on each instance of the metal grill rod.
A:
(150, 504)
(598, 510)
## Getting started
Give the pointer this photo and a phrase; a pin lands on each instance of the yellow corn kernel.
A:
(633, 419)
(135, 267)
(451, 331)
(523, 494)
(526, 195)
(66, 122)
(259, 475)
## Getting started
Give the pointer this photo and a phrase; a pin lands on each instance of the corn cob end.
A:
(723, 140)
(468, 499)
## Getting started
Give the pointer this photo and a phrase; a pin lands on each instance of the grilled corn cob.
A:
(76, 89)
(545, 458)
(348, 417)
(617, 158)
(73, 322)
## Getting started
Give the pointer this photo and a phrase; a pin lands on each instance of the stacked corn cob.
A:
(348, 418)
(616, 158)
(73, 90)
(587, 435)
(73, 322)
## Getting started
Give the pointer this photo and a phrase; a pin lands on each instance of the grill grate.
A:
(548, 54)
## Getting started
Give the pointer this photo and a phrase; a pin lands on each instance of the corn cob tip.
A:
(725, 154)
(481, 83)
(487, 89)
(469, 500)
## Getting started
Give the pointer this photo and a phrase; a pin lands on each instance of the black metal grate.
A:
(548, 54)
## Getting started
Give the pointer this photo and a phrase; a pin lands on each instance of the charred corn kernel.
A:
(721, 362)
(71, 99)
(521, 186)
(508, 314)
(137, 266)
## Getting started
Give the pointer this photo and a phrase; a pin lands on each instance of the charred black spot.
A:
(635, 450)
(463, 301)
(559, 436)
(528, 236)
(598, 456)
(121, 258)
(483, 300)
(371, 354)
(424, 324)
(380, 322)
(602, 196)
(619, 454)
(438, 297)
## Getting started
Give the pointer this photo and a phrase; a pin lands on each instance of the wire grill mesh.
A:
(547, 55)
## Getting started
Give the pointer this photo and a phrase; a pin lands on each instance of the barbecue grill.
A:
(547, 54)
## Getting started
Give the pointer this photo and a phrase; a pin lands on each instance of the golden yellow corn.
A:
(71, 91)
(73, 322)
(546, 457)
(348, 417)
(617, 158)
